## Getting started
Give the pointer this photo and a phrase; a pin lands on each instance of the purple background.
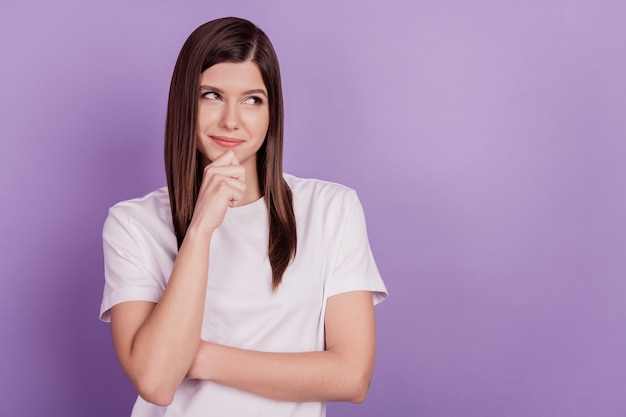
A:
(486, 139)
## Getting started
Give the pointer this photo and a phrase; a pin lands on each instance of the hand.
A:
(223, 185)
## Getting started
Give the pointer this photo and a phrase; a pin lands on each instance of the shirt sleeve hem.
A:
(378, 289)
(128, 294)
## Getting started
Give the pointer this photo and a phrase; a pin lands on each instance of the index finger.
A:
(225, 159)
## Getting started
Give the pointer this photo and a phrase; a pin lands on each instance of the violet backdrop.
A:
(486, 140)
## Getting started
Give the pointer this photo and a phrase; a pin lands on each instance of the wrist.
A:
(199, 236)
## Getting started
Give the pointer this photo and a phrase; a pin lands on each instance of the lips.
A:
(226, 142)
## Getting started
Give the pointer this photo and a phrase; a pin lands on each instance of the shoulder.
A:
(153, 203)
(319, 192)
(151, 210)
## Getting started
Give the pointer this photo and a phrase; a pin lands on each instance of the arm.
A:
(342, 372)
(156, 343)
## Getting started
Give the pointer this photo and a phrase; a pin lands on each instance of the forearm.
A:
(310, 376)
(165, 344)
(157, 343)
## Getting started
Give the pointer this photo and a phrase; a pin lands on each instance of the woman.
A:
(238, 290)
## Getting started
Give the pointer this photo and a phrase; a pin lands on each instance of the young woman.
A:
(238, 290)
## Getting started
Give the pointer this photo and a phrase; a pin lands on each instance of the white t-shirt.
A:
(333, 257)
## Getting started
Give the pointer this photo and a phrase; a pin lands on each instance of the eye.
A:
(211, 95)
(253, 100)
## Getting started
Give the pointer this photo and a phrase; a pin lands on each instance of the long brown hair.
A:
(228, 39)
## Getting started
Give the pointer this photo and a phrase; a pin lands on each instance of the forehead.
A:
(233, 76)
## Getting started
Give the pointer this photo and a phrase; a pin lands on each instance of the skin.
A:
(234, 106)
(158, 345)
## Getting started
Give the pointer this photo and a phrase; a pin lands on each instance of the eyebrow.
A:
(205, 87)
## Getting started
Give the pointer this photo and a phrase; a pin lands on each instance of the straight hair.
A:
(233, 40)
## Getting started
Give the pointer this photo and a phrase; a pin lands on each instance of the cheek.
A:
(257, 123)
(263, 127)
(264, 124)
(206, 116)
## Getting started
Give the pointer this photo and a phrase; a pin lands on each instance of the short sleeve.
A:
(129, 267)
(354, 268)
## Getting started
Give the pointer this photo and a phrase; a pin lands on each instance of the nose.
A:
(230, 117)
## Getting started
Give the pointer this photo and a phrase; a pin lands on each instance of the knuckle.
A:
(208, 171)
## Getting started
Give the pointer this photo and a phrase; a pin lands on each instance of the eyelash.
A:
(206, 95)
(257, 100)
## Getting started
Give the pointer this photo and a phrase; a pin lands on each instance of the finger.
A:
(225, 159)
(234, 160)
(222, 188)
(232, 171)
(235, 185)
(234, 191)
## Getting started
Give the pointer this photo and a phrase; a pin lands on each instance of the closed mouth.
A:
(227, 142)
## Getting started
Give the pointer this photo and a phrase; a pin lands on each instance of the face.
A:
(233, 112)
